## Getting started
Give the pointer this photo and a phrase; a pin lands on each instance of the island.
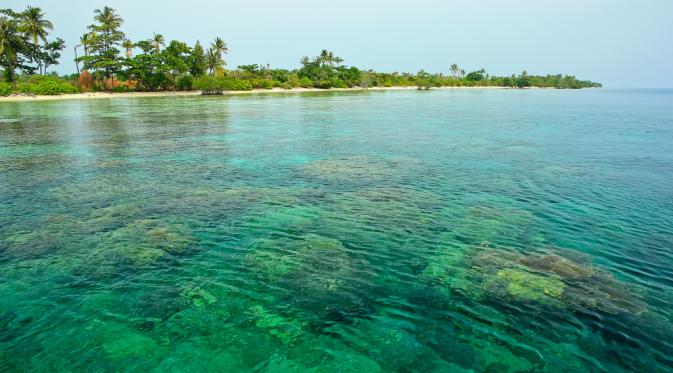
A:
(109, 62)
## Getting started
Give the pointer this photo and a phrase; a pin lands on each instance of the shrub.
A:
(50, 87)
(338, 83)
(293, 81)
(236, 84)
(212, 84)
(306, 82)
(46, 85)
(261, 83)
(26, 88)
(185, 83)
(5, 89)
(206, 83)
(121, 89)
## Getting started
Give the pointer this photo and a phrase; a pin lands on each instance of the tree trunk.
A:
(37, 46)
(10, 73)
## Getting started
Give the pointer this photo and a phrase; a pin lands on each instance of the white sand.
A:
(99, 95)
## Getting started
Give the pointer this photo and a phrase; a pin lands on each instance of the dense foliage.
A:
(44, 85)
(217, 84)
(26, 48)
(111, 62)
(5, 89)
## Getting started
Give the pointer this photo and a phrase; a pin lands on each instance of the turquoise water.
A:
(450, 230)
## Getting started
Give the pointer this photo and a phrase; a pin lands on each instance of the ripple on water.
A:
(359, 168)
(340, 233)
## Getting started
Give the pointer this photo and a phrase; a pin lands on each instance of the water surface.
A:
(450, 230)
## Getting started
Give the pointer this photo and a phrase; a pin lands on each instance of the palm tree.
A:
(455, 70)
(128, 45)
(338, 60)
(219, 47)
(212, 60)
(11, 43)
(324, 57)
(159, 41)
(109, 23)
(108, 19)
(86, 40)
(32, 22)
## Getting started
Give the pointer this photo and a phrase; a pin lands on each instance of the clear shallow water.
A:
(486, 230)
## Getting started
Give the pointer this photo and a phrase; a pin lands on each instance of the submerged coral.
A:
(143, 242)
(197, 296)
(287, 330)
(603, 292)
(488, 223)
(350, 168)
(528, 286)
(396, 210)
(295, 217)
(97, 191)
(409, 196)
(31, 244)
(359, 168)
(217, 202)
(501, 274)
(315, 273)
(110, 217)
(50, 235)
(560, 266)
(312, 256)
(268, 261)
(172, 238)
(450, 270)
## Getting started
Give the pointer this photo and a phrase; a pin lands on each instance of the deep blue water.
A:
(450, 230)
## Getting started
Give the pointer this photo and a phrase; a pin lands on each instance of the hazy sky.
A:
(617, 42)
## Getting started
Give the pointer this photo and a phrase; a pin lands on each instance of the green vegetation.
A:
(218, 84)
(44, 85)
(110, 63)
(5, 89)
(24, 46)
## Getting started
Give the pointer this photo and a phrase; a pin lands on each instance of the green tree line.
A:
(27, 52)
(108, 61)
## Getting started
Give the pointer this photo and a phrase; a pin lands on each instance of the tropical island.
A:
(109, 62)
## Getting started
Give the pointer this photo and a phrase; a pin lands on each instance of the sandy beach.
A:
(103, 95)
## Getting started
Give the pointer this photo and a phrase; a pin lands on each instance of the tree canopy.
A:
(113, 62)
(25, 43)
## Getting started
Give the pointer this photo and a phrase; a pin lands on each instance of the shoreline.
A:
(104, 95)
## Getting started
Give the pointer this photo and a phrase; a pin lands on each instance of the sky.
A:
(620, 43)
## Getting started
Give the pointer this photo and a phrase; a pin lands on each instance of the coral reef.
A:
(287, 330)
(359, 168)
(499, 273)
(356, 168)
(197, 296)
(142, 243)
(528, 286)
